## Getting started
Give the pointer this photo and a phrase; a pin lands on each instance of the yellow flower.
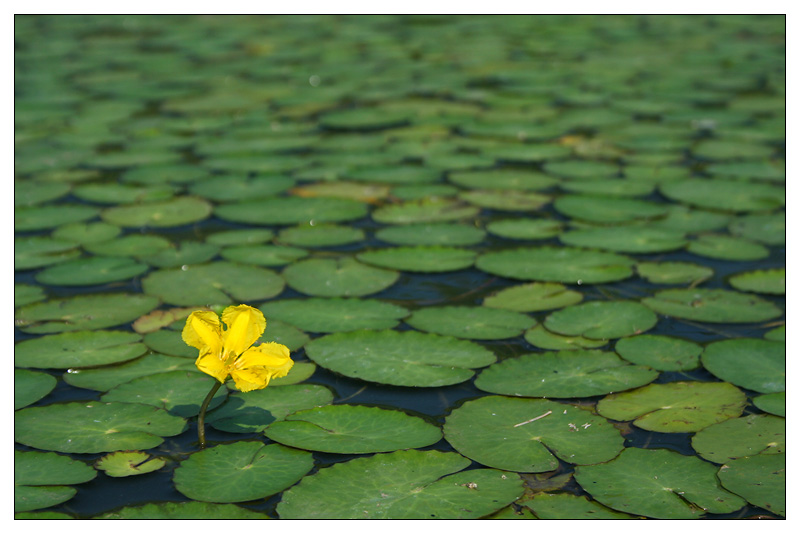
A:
(230, 352)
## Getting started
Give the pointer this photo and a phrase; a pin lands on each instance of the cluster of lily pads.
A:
(527, 267)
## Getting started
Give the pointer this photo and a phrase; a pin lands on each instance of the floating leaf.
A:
(241, 471)
(539, 336)
(78, 349)
(106, 378)
(395, 174)
(184, 510)
(50, 216)
(745, 436)
(35, 252)
(87, 312)
(247, 236)
(530, 435)
(774, 403)
(25, 294)
(124, 464)
(515, 179)
(769, 281)
(755, 364)
(760, 479)
(712, 305)
(673, 272)
(569, 506)
(320, 235)
(347, 429)
(550, 264)
(533, 297)
(629, 239)
(213, 283)
(401, 485)
(675, 406)
(566, 374)
(399, 358)
(525, 229)
(768, 228)
(85, 233)
(30, 386)
(335, 314)
(184, 253)
(175, 212)
(94, 427)
(342, 277)
(724, 247)
(227, 188)
(292, 210)
(602, 319)
(448, 234)
(505, 200)
(470, 322)
(266, 255)
(607, 209)
(657, 483)
(41, 479)
(425, 210)
(130, 245)
(91, 271)
(719, 194)
(431, 259)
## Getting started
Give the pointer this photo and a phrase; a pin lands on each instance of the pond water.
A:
(527, 267)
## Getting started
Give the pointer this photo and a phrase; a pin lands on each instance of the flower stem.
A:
(201, 427)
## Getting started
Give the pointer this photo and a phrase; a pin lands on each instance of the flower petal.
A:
(211, 364)
(203, 331)
(257, 366)
(245, 325)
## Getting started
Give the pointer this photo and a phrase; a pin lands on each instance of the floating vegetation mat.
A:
(527, 266)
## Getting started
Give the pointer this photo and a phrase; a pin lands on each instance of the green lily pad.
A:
(85, 233)
(712, 306)
(769, 281)
(425, 210)
(673, 272)
(33, 192)
(30, 387)
(422, 191)
(41, 479)
(108, 377)
(539, 336)
(34, 252)
(227, 188)
(26, 294)
(184, 253)
(530, 435)
(447, 234)
(78, 349)
(774, 403)
(745, 436)
(288, 335)
(675, 406)
(184, 510)
(128, 463)
(582, 169)
(611, 187)
(723, 247)
(169, 341)
(116, 193)
(568, 373)
(292, 210)
(86, 312)
(602, 209)
(343, 189)
(320, 235)
(341, 277)
(471, 322)
(33, 218)
(213, 283)
(755, 364)
(759, 170)
(347, 429)
(776, 334)
(722, 149)
(525, 229)
(630, 239)
(130, 245)
(255, 410)
(401, 485)
(731, 195)
(602, 319)
(423, 259)
(537, 296)
(178, 392)
(399, 358)
(363, 119)
(691, 221)
(91, 271)
(241, 471)
(395, 174)
(247, 236)
(265, 255)
(76, 427)
(760, 479)
(515, 179)
(768, 228)
(505, 199)
(335, 314)
(549, 264)
(175, 212)
(663, 353)
(657, 483)
(569, 506)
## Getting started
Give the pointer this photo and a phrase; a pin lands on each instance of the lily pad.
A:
(78, 349)
(34, 252)
(93, 427)
(348, 429)
(342, 277)
(401, 485)
(178, 392)
(265, 255)
(86, 312)
(549, 264)
(411, 359)
(91, 271)
(723, 247)
(116, 193)
(425, 210)
(602, 319)
(231, 188)
(525, 229)
(675, 406)
(663, 353)
(42, 479)
(673, 272)
(566, 374)
(760, 479)
(33, 218)
(247, 236)
(184, 253)
(755, 364)
(539, 336)
(255, 410)
(169, 341)
(470, 322)
(720, 194)
(85, 233)
(213, 283)
(134, 245)
(335, 314)
(515, 179)
(537, 296)
(582, 169)
(395, 174)
(128, 463)
(184, 510)
(447, 234)
(320, 235)
(175, 212)
(530, 435)
(241, 471)
(430, 259)
(505, 200)
(657, 483)
(745, 436)
(108, 377)
(292, 210)
(602, 209)
(569, 506)
(26, 294)
(30, 387)
(768, 228)
(631, 239)
(774, 403)
(712, 306)
(768, 281)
